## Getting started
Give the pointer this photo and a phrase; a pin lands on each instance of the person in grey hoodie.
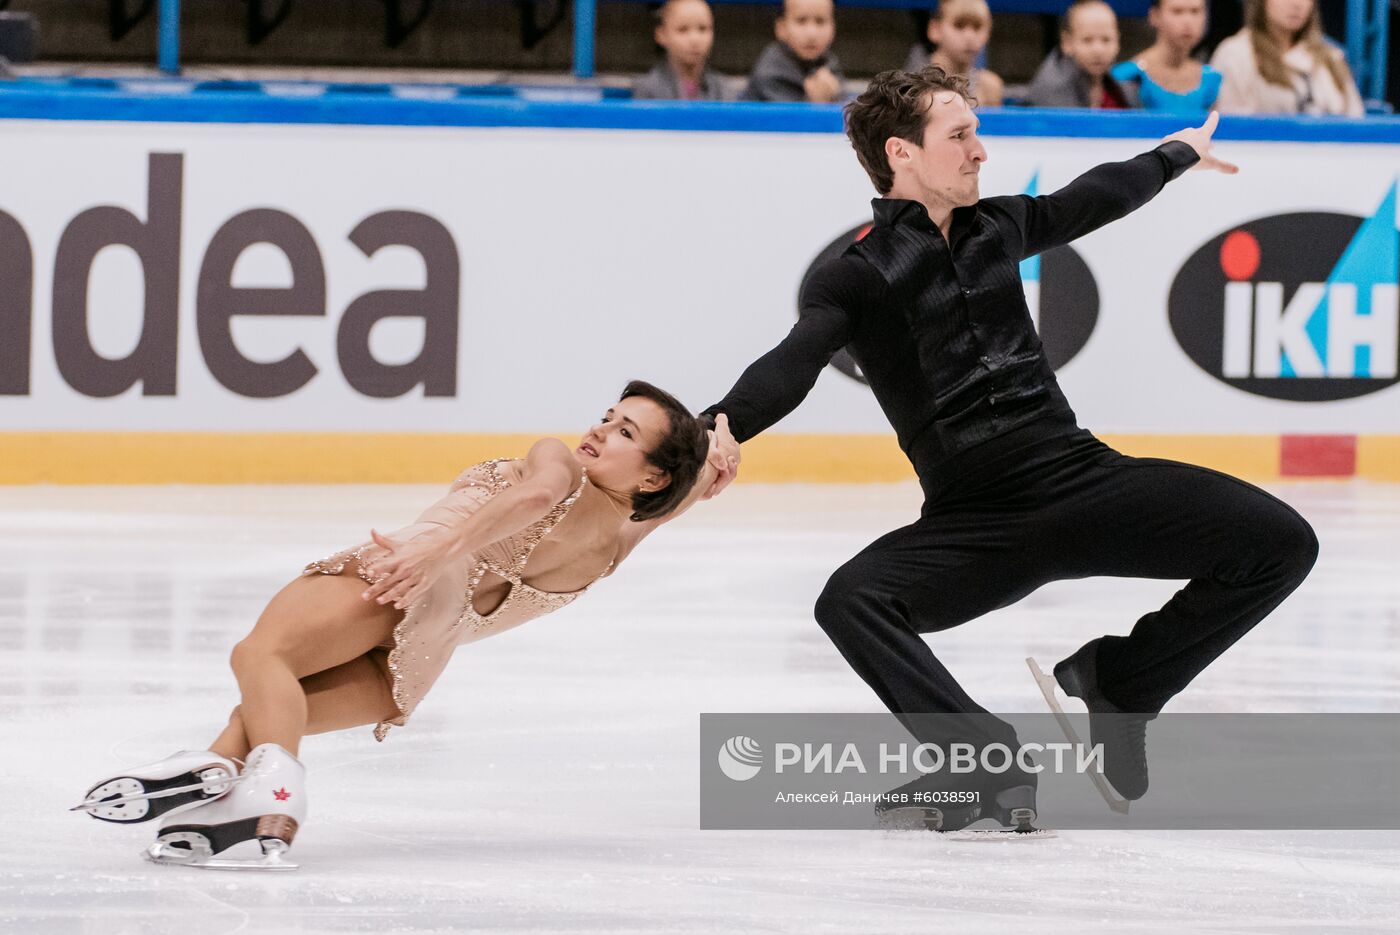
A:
(1077, 73)
(799, 65)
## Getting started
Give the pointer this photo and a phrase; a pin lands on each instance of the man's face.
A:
(1092, 40)
(687, 32)
(807, 27)
(945, 167)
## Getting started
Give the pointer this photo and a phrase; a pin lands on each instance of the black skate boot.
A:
(933, 801)
(1123, 734)
(1009, 800)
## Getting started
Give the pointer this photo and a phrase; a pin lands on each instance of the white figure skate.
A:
(266, 806)
(178, 783)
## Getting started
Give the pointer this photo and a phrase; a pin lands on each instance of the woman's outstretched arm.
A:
(410, 568)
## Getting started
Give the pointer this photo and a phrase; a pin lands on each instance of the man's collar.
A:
(893, 211)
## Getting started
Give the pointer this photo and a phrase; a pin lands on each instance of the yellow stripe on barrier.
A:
(370, 458)
(245, 457)
(1378, 457)
(1255, 457)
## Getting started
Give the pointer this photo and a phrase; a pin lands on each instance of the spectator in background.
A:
(959, 31)
(800, 65)
(1166, 75)
(1279, 63)
(685, 29)
(1077, 73)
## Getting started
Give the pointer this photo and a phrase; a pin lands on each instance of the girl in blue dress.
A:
(1168, 78)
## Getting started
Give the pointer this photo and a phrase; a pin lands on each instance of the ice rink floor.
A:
(550, 781)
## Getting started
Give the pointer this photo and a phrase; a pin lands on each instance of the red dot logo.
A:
(1239, 255)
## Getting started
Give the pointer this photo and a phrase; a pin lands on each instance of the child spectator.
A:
(1076, 74)
(800, 65)
(959, 30)
(1166, 75)
(1279, 63)
(685, 29)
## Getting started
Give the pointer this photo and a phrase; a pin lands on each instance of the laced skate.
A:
(262, 812)
(178, 783)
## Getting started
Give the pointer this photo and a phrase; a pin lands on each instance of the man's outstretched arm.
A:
(1103, 194)
(776, 383)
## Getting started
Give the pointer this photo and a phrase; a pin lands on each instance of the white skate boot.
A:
(266, 807)
(175, 784)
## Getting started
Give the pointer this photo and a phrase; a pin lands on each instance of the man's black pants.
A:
(1068, 507)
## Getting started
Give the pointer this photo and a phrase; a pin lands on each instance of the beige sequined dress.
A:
(423, 641)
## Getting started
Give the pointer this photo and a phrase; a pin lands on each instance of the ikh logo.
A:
(740, 758)
(1061, 295)
(1295, 306)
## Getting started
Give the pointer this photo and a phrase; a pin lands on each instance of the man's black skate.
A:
(1123, 734)
(930, 801)
(950, 802)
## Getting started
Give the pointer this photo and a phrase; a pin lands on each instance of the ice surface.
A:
(549, 782)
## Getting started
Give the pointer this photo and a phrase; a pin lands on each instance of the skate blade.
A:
(1047, 685)
(1001, 834)
(88, 805)
(272, 860)
(925, 818)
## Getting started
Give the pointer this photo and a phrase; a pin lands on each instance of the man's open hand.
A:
(724, 456)
(1198, 138)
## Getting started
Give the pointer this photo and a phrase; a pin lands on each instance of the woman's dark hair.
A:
(895, 104)
(680, 453)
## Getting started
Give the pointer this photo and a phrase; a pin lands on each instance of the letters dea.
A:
(156, 243)
(1295, 306)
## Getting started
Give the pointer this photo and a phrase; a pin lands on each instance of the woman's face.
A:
(1180, 23)
(1288, 15)
(615, 449)
(687, 32)
(962, 39)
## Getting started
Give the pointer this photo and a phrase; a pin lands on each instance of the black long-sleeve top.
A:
(940, 327)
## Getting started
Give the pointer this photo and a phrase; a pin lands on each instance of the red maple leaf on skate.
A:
(282, 794)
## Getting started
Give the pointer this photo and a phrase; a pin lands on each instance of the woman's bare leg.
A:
(352, 694)
(233, 742)
(312, 625)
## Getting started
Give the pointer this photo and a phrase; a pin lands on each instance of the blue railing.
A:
(1368, 23)
(185, 101)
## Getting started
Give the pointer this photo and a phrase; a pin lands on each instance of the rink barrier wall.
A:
(359, 458)
(207, 435)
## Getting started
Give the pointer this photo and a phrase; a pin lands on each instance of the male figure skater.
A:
(930, 306)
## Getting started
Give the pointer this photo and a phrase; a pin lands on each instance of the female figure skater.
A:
(362, 635)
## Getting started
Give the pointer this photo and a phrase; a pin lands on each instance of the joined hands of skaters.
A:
(1198, 138)
(723, 457)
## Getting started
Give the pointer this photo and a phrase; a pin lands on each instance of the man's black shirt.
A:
(940, 327)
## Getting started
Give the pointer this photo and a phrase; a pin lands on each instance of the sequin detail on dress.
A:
(429, 630)
(512, 569)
